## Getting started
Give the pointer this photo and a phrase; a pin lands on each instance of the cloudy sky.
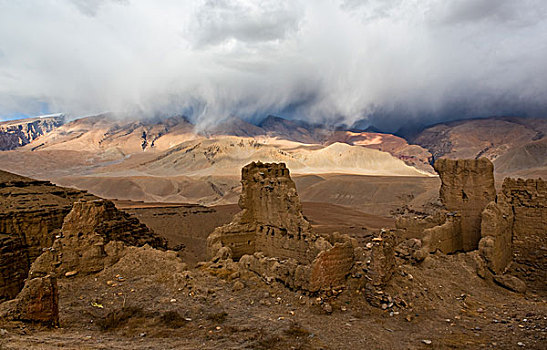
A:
(321, 60)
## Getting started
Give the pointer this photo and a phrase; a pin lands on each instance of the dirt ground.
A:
(438, 304)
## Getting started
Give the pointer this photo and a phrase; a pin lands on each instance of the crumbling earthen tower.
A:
(272, 237)
(467, 187)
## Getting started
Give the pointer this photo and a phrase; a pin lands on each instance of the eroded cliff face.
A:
(272, 237)
(31, 215)
(467, 187)
(13, 265)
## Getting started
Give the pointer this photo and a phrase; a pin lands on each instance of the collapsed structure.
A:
(271, 236)
(92, 235)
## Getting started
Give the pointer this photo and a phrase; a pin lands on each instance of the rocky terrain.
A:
(276, 280)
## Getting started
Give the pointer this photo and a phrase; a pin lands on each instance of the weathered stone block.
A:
(496, 245)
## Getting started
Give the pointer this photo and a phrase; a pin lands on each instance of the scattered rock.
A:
(71, 273)
(327, 308)
(512, 283)
(238, 285)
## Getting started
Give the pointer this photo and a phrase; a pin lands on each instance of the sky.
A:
(392, 61)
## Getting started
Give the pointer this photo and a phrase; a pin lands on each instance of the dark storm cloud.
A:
(319, 60)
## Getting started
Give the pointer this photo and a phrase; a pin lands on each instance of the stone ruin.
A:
(508, 230)
(271, 219)
(93, 236)
(467, 186)
(514, 235)
(271, 236)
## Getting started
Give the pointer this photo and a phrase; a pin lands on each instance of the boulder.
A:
(37, 302)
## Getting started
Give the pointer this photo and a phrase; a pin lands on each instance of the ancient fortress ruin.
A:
(272, 237)
(507, 229)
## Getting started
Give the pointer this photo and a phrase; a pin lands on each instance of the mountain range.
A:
(170, 160)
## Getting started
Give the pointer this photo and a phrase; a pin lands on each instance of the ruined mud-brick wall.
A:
(269, 200)
(101, 216)
(496, 244)
(528, 200)
(412, 224)
(446, 238)
(272, 237)
(467, 187)
(92, 232)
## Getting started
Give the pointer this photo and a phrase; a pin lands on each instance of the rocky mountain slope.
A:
(517, 146)
(17, 133)
(170, 160)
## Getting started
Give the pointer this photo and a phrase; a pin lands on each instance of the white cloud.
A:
(312, 59)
